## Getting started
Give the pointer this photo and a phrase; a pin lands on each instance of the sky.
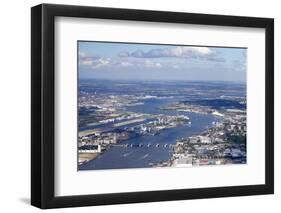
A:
(132, 61)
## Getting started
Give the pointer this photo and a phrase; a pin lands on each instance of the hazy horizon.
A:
(162, 80)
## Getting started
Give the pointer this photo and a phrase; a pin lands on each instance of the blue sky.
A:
(108, 60)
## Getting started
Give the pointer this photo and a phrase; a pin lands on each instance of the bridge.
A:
(165, 146)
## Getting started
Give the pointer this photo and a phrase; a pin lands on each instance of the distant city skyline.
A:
(130, 61)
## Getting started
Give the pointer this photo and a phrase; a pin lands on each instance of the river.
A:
(143, 157)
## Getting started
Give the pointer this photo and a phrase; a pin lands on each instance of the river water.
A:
(142, 157)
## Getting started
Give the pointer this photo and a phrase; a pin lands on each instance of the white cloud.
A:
(141, 59)
(93, 61)
(158, 65)
(87, 61)
(126, 64)
(202, 50)
(100, 63)
(149, 64)
(186, 52)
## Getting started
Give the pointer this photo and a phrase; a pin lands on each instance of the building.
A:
(183, 161)
(90, 149)
(205, 139)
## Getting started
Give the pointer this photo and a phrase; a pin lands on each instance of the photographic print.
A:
(151, 105)
(176, 98)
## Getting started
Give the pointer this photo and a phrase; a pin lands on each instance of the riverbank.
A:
(86, 157)
(223, 143)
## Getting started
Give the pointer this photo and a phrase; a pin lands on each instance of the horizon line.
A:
(110, 79)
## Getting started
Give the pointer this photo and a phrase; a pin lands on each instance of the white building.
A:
(90, 149)
(205, 139)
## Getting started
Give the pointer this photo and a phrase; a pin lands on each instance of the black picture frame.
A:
(43, 102)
